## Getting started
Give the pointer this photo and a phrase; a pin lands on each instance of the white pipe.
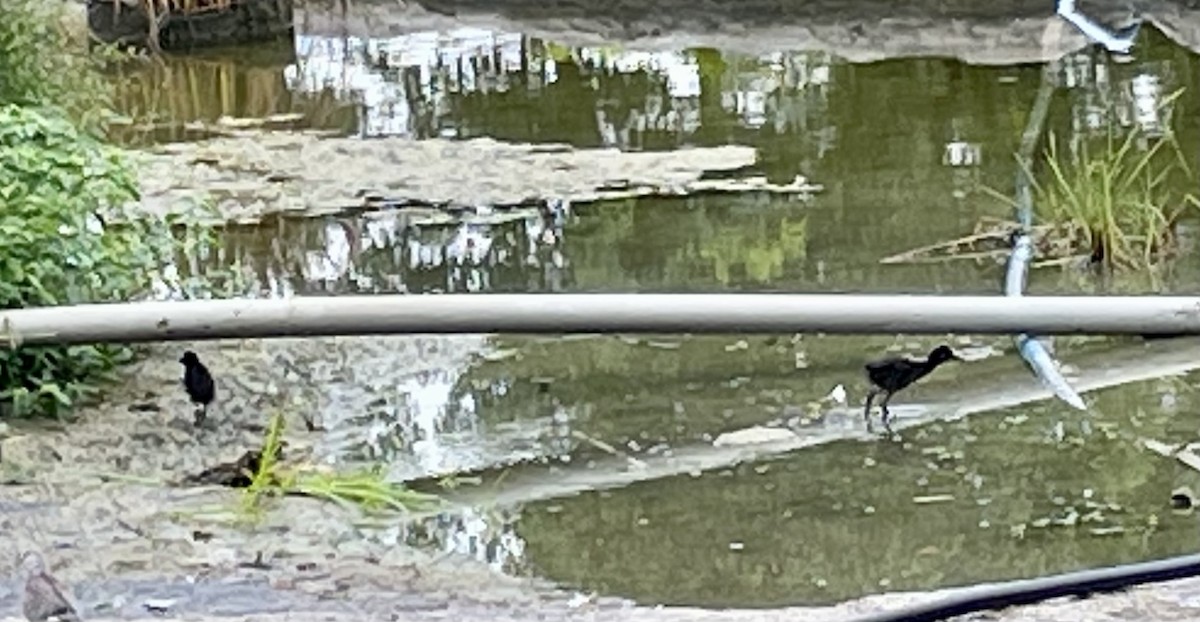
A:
(1032, 350)
(602, 313)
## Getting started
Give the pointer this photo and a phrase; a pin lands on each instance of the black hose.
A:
(1029, 591)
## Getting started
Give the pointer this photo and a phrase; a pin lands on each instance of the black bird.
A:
(892, 374)
(199, 384)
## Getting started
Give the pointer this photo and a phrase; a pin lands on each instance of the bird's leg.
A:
(199, 415)
(867, 409)
(887, 424)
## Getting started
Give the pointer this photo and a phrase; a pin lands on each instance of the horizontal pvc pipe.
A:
(601, 313)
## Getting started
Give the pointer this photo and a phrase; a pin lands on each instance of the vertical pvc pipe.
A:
(1033, 351)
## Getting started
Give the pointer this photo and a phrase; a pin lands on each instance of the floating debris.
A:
(837, 395)
(158, 605)
(1183, 498)
(579, 599)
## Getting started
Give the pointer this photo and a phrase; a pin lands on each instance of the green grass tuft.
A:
(366, 490)
(1117, 199)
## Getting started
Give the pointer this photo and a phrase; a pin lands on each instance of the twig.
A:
(131, 479)
(602, 446)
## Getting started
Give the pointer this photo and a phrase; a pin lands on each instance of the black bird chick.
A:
(44, 600)
(892, 374)
(199, 384)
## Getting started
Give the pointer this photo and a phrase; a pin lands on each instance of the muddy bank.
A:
(376, 591)
(255, 174)
(377, 397)
(1002, 33)
(95, 493)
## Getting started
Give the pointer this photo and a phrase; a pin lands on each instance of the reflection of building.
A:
(1131, 96)
(388, 252)
(788, 91)
(668, 104)
(471, 82)
(402, 84)
(489, 537)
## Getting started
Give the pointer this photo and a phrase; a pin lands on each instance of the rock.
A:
(1182, 498)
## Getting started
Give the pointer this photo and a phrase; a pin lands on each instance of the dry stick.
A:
(603, 446)
(1001, 227)
(914, 254)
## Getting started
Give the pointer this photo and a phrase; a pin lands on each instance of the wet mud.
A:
(258, 174)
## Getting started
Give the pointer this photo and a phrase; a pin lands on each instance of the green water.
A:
(821, 524)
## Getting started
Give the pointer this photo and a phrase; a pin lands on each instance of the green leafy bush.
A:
(57, 179)
(43, 64)
(55, 182)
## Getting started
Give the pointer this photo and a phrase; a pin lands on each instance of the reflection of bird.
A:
(199, 384)
(44, 599)
(892, 374)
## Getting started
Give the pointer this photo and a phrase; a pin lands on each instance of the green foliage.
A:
(367, 489)
(43, 64)
(58, 183)
(265, 481)
(1119, 198)
(55, 182)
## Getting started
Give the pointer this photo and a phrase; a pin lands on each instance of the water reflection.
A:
(486, 536)
(402, 85)
(471, 82)
(900, 146)
(642, 245)
(1104, 96)
(381, 404)
(996, 498)
(394, 251)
